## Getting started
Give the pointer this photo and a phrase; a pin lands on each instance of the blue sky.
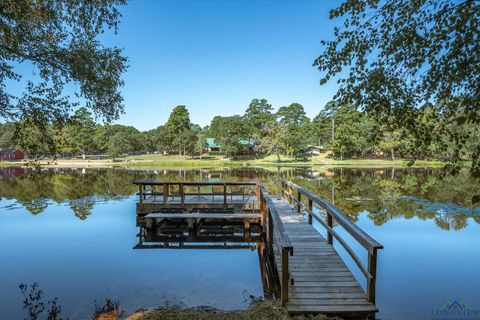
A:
(215, 56)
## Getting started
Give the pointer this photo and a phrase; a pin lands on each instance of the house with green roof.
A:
(211, 145)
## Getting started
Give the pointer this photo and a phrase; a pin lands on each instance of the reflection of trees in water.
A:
(389, 193)
(36, 206)
(383, 193)
(82, 189)
(451, 222)
(82, 207)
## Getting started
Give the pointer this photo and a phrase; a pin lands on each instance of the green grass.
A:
(156, 160)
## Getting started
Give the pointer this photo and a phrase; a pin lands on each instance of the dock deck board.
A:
(322, 283)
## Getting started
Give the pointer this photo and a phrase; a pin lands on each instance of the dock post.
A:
(372, 269)
(165, 194)
(140, 195)
(285, 277)
(270, 233)
(182, 194)
(310, 212)
(259, 198)
(299, 201)
(330, 224)
(225, 195)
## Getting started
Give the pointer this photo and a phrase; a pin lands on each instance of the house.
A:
(314, 150)
(212, 146)
(11, 154)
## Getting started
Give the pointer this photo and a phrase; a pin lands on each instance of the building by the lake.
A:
(212, 146)
(11, 154)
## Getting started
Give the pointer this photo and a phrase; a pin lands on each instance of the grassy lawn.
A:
(149, 160)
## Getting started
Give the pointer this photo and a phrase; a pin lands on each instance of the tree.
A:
(352, 131)
(398, 55)
(258, 113)
(294, 141)
(59, 39)
(35, 139)
(118, 139)
(178, 123)
(390, 141)
(200, 145)
(7, 131)
(321, 129)
(229, 132)
(118, 144)
(294, 114)
(148, 140)
(80, 131)
(160, 139)
(273, 138)
(296, 122)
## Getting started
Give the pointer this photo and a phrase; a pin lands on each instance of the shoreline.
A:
(175, 162)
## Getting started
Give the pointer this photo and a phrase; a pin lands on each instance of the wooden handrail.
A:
(361, 236)
(275, 229)
(278, 224)
(183, 189)
(371, 245)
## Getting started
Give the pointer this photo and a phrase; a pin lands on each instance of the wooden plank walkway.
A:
(322, 282)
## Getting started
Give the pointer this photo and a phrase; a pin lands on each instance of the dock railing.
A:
(150, 189)
(294, 194)
(275, 235)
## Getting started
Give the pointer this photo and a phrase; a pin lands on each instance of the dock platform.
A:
(305, 271)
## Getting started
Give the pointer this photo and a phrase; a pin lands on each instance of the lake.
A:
(72, 231)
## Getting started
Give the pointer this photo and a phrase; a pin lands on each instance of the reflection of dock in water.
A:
(298, 265)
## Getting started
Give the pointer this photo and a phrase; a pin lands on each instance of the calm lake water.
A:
(73, 231)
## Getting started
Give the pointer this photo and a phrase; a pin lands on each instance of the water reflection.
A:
(43, 239)
(207, 234)
(384, 194)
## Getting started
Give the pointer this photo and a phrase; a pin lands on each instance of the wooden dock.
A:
(304, 269)
(321, 281)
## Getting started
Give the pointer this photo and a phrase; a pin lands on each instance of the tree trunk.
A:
(333, 136)
(83, 154)
(278, 154)
(393, 154)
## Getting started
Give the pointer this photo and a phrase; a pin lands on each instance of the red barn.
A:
(11, 154)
